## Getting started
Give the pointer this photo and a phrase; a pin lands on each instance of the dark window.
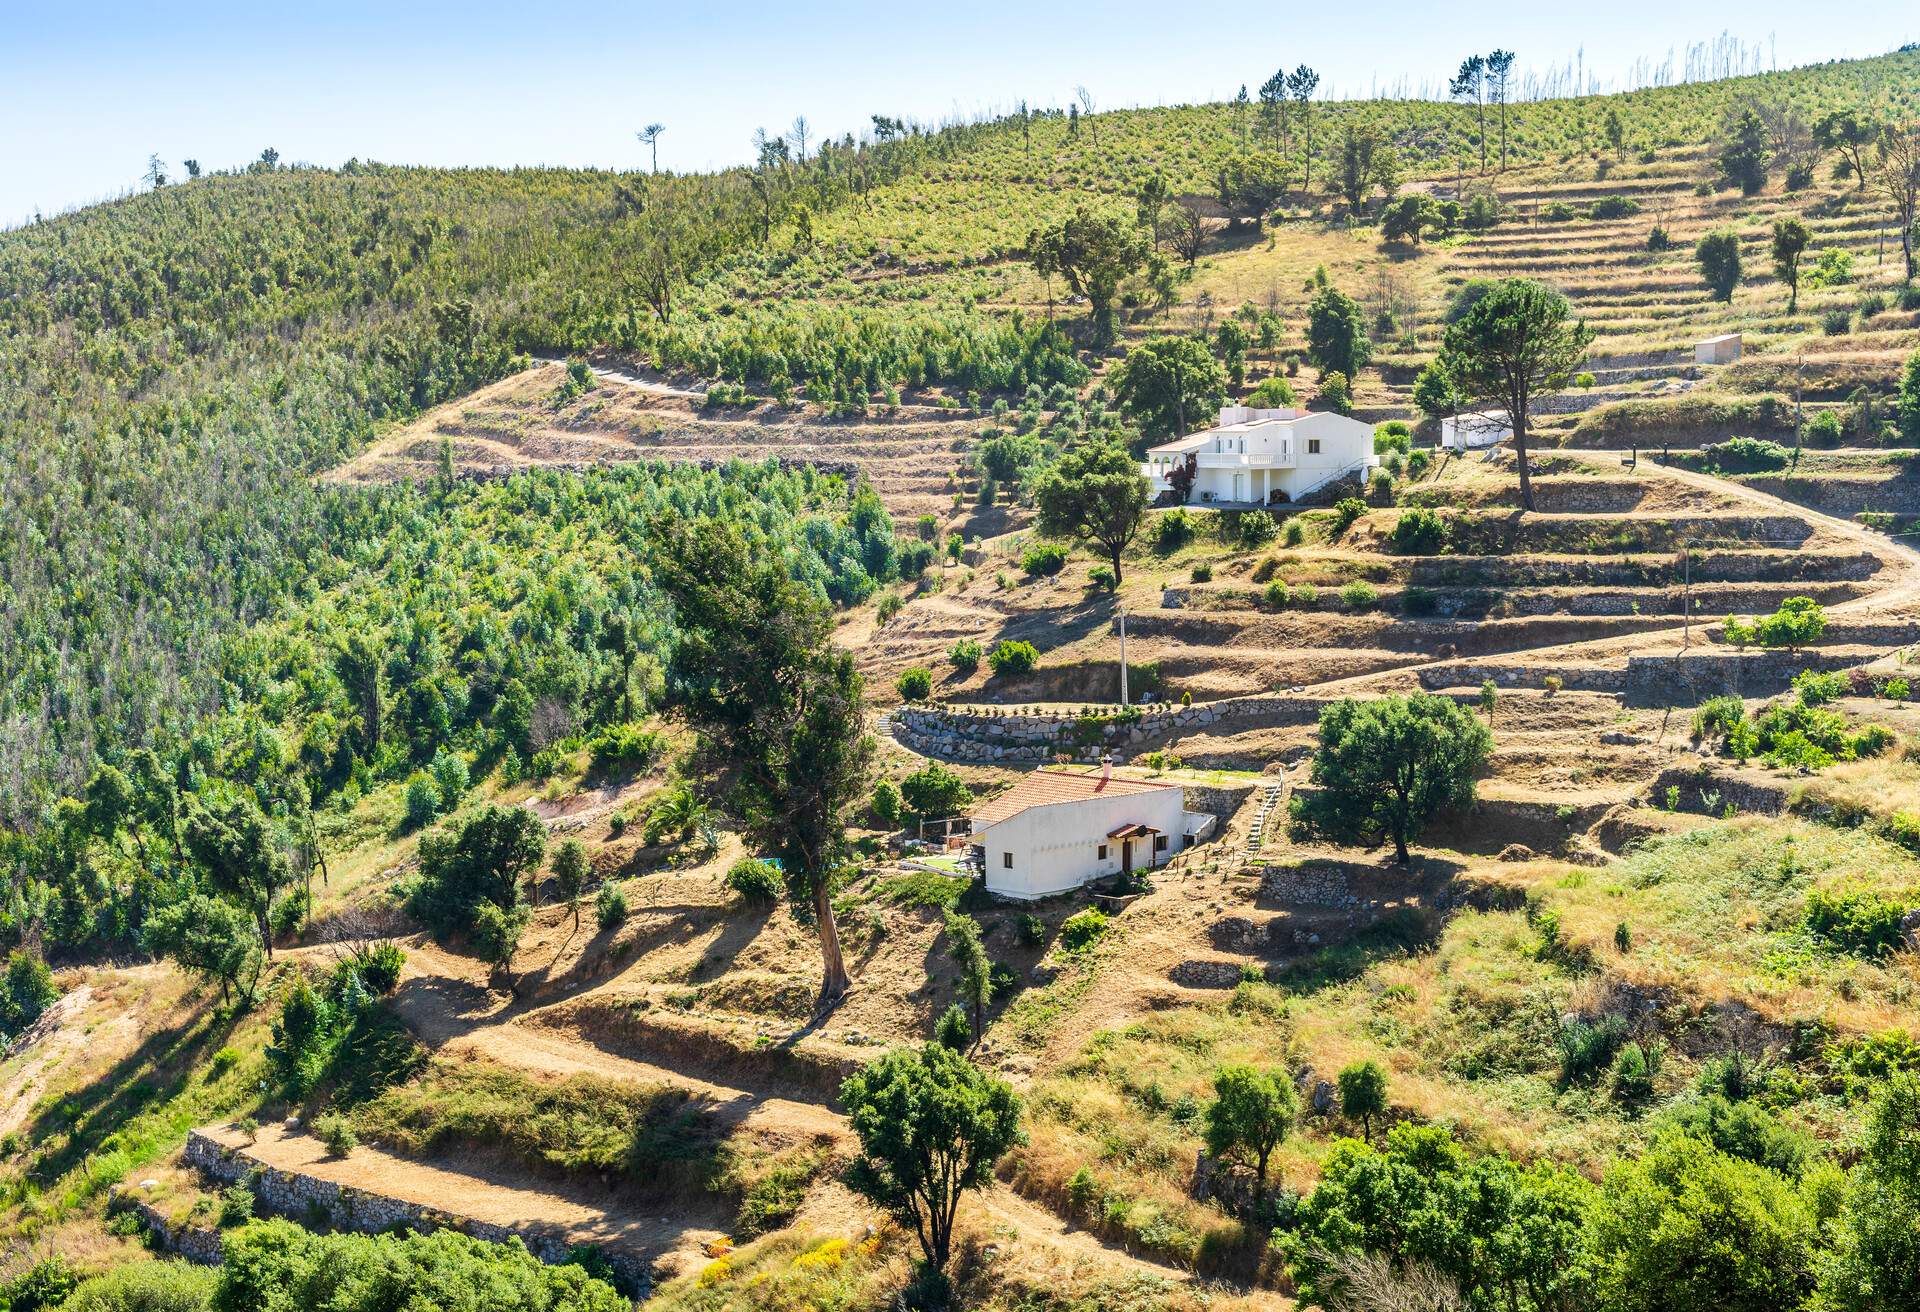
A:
(1006, 859)
(1103, 852)
(1313, 446)
(1159, 842)
(1186, 840)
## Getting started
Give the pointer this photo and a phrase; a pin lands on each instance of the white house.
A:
(1261, 457)
(1475, 429)
(1057, 829)
(1724, 349)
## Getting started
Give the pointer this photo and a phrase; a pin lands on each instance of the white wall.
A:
(1344, 443)
(1055, 846)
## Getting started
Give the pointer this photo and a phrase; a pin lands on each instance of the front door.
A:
(1126, 858)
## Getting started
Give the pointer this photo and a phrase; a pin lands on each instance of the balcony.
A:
(1277, 459)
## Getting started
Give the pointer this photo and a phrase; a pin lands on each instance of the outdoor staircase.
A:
(1270, 795)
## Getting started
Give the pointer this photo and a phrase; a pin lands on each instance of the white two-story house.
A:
(1263, 457)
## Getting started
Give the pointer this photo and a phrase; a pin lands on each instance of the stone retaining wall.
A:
(194, 1243)
(300, 1197)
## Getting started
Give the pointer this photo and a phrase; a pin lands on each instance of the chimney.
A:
(1106, 767)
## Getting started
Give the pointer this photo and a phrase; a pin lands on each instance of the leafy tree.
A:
(496, 934)
(1433, 391)
(1897, 171)
(1167, 384)
(1508, 1237)
(1718, 255)
(1384, 768)
(237, 848)
(934, 790)
(1873, 1261)
(1251, 1112)
(1365, 159)
(1096, 493)
(1272, 393)
(26, 991)
(976, 971)
(930, 1126)
(482, 862)
(1518, 343)
(1407, 218)
(1745, 154)
(1251, 184)
(1687, 1227)
(1851, 133)
(208, 937)
(915, 684)
(1615, 129)
(1336, 333)
(1907, 402)
(1790, 238)
(1094, 252)
(571, 871)
(1363, 1094)
(778, 707)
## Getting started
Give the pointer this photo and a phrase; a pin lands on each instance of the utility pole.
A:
(1123, 655)
(1686, 598)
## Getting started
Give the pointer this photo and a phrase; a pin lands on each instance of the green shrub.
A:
(41, 1287)
(1825, 429)
(1345, 511)
(163, 1286)
(628, 746)
(236, 1206)
(422, 800)
(1044, 559)
(1359, 595)
(1587, 1048)
(1276, 594)
(964, 655)
(1895, 689)
(886, 801)
(1174, 529)
(1717, 717)
(337, 1133)
(1817, 688)
(757, 882)
(1103, 577)
(380, 966)
(1255, 529)
(953, 1029)
(449, 771)
(1305, 596)
(1742, 1129)
(1202, 573)
(1837, 323)
(1030, 930)
(1083, 928)
(1635, 1067)
(1857, 921)
(610, 907)
(1747, 454)
(1613, 207)
(915, 684)
(1419, 532)
(1011, 658)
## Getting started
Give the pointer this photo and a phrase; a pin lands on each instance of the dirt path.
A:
(483, 1191)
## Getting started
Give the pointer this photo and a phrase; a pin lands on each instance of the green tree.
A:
(208, 937)
(1433, 391)
(778, 706)
(482, 862)
(1301, 84)
(26, 991)
(1851, 133)
(1336, 333)
(1365, 159)
(1906, 412)
(934, 790)
(1873, 1262)
(1273, 107)
(496, 934)
(571, 871)
(1251, 184)
(1094, 252)
(1384, 768)
(931, 1125)
(1518, 343)
(1745, 154)
(969, 954)
(1363, 1094)
(1407, 218)
(1686, 1228)
(237, 848)
(1790, 238)
(1718, 255)
(1095, 493)
(1615, 129)
(1167, 384)
(1510, 1238)
(1251, 1112)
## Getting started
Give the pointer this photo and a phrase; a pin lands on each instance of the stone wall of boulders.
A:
(986, 734)
(195, 1243)
(302, 1197)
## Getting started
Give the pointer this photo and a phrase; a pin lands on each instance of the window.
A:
(1103, 852)
(1313, 446)
(1006, 860)
(1186, 840)
(1159, 842)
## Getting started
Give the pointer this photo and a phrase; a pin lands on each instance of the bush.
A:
(337, 1133)
(1742, 1129)
(1010, 658)
(380, 966)
(1030, 930)
(935, 791)
(166, 1286)
(915, 684)
(964, 655)
(1336, 393)
(628, 746)
(236, 1206)
(1587, 1048)
(449, 771)
(610, 907)
(1174, 529)
(1276, 594)
(1044, 559)
(886, 802)
(1102, 577)
(1082, 929)
(953, 1030)
(1825, 429)
(423, 800)
(1837, 323)
(757, 882)
(1613, 207)
(1419, 532)
(1747, 454)
(1254, 529)
(1817, 689)
(42, 1287)
(1856, 921)
(1359, 595)
(1345, 511)
(1718, 717)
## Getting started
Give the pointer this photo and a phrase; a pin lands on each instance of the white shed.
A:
(1056, 830)
(1724, 349)
(1475, 429)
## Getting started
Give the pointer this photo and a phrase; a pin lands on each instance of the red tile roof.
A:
(1046, 787)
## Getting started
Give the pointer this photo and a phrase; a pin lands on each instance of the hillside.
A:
(471, 634)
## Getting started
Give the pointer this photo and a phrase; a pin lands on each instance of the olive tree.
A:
(1167, 383)
(1095, 493)
(1250, 1114)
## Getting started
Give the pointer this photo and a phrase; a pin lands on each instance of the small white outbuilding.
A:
(1724, 349)
(1475, 429)
(1056, 830)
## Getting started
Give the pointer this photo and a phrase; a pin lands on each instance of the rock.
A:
(1910, 929)
(1322, 1098)
(1516, 852)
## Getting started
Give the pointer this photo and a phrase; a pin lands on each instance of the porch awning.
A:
(1132, 831)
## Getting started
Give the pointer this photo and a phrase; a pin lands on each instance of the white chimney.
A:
(1106, 767)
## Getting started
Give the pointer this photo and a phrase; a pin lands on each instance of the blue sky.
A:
(89, 90)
